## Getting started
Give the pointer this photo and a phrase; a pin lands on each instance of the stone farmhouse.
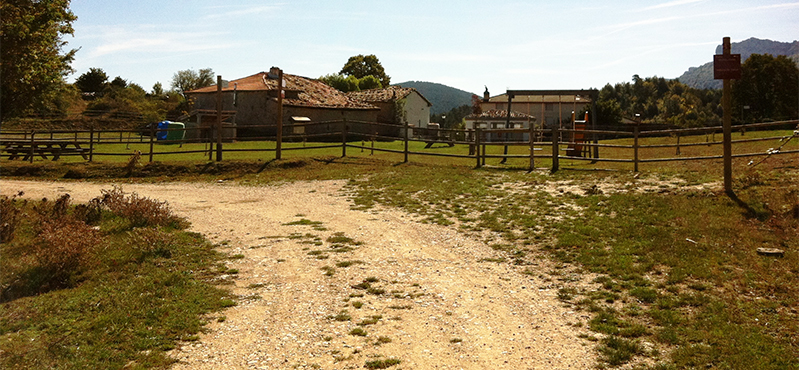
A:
(253, 106)
(415, 108)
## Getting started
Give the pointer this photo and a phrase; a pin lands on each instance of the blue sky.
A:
(465, 44)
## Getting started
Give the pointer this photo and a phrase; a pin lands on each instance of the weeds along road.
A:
(325, 286)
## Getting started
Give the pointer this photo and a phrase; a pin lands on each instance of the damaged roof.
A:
(311, 93)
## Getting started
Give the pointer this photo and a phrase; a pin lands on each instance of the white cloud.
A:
(242, 12)
(149, 39)
(672, 4)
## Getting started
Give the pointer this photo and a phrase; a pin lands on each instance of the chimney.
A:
(486, 95)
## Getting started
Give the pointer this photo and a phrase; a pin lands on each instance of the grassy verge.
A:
(681, 282)
(109, 284)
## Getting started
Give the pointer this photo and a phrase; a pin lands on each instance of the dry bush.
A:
(90, 213)
(10, 218)
(140, 211)
(53, 211)
(63, 250)
(133, 162)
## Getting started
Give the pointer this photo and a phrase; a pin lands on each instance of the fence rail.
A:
(577, 145)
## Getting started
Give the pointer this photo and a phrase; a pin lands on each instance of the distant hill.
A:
(443, 97)
(702, 77)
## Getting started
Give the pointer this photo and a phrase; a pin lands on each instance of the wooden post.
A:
(532, 146)
(727, 107)
(477, 133)
(33, 133)
(218, 118)
(152, 140)
(91, 143)
(407, 134)
(678, 144)
(344, 137)
(635, 148)
(279, 139)
(555, 148)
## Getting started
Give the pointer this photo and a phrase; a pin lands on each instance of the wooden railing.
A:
(344, 134)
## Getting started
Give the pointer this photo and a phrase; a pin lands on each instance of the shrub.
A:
(10, 214)
(140, 211)
(63, 251)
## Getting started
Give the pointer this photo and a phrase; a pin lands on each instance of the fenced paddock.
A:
(555, 148)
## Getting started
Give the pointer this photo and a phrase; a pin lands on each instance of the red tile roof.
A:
(499, 114)
(311, 92)
(389, 94)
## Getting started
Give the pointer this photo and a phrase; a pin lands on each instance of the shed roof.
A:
(311, 93)
(388, 94)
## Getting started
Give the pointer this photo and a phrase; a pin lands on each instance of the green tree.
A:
(158, 90)
(768, 85)
(341, 82)
(187, 80)
(33, 63)
(119, 82)
(369, 82)
(361, 66)
(93, 81)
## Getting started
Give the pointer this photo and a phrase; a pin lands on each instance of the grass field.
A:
(679, 282)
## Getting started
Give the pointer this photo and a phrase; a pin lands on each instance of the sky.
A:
(465, 44)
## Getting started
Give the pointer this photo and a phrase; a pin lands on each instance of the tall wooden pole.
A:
(218, 118)
(727, 122)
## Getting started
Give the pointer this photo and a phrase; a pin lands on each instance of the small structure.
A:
(551, 107)
(498, 119)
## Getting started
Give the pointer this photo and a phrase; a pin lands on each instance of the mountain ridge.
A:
(443, 97)
(701, 77)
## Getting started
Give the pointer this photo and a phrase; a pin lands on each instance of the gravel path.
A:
(441, 306)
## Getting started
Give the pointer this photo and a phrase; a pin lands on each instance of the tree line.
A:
(767, 90)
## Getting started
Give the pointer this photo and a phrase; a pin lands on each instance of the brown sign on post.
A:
(727, 67)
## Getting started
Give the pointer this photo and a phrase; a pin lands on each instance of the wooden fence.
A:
(555, 144)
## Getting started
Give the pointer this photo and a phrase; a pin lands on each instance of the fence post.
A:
(218, 118)
(532, 146)
(555, 148)
(91, 143)
(344, 137)
(678, 144)
(407, 133)
(477, 134)
(635, 148)
(30, 159)
(152, 139)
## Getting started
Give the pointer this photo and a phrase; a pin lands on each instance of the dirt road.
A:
(422, 294)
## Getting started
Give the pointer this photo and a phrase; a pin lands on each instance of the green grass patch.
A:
(126, 298)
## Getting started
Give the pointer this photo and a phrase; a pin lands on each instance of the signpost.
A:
(727, 67)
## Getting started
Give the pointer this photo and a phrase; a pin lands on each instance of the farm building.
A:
(253, 102)
(415, 107)
(497, 119)
(550, 109)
